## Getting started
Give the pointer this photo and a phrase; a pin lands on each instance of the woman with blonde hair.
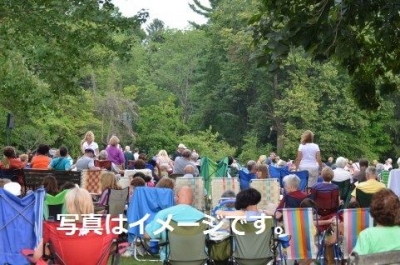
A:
(115, 154)
(89, 143)
(163, 160)
(309, 157)
(108, 180)
(262, 160)
(79, 201)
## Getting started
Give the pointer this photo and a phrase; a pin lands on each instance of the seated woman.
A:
(108, 181)
(262, 171)
(41, 160)
(50, 185)
(385, 209)
(10, 161)
(246, 205)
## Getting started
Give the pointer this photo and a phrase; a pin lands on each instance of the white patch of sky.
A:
(174, 13)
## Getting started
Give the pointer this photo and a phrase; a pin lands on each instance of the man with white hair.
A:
(339, 173)
(179, 151)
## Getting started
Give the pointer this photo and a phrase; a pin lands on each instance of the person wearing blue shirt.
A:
(62, 162)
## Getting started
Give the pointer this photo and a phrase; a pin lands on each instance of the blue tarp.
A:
(21, 224)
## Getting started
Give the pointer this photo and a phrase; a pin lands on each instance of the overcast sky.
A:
(174, 13)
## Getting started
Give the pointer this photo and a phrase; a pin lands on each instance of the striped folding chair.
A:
(199, 192)
(220, 185)
(269, 189)
(354, 221)
(299, 224)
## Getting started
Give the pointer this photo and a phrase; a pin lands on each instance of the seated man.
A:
(182, 161)
(86, 161)
(370, 186)
(189, 171)
(181, 212)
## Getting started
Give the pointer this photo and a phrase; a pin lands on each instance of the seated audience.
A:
(50, 185)
(86, 161)
(385, 209)
(182, 161)
(166, 183)
(61, 162)
(371, 185)
(25, 160)
(13, 187)
(41, 160)
(67, 185)
(108, 181)
(247, 174)
(360, 174)
(136, 182)
(163, 160)
(10, 161)
(189, 171)
(339, 173)
(262, 171)
(245, 204)
(181, 212)
(103, 156)
(147, 179)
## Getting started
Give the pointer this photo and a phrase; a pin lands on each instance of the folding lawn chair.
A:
(91, 181)
(385, 177)
(21, 224)
(116, 201)
(103, 164)
(252, 242)
(394, 181)
(299, 224)
(220, 185)
(303, 175)
(327, 204)
(363, 199)
(345, 191)
(244, 178)
(143, 206)
(354, 221)
(54, 205)
(88, 246)
(199, 192)
(269, 189)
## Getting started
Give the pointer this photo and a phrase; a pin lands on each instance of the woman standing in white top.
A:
(89, 143)
(309, 157)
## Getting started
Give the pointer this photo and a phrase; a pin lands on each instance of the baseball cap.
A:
(89, 150)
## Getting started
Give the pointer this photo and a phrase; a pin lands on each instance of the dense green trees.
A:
(158, 87)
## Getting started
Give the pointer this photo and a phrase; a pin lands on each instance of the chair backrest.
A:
(387, 257)
(244, 178)
(394, 181)
(292, 202)
(385, 177)
(187, 244)
(33, 178)
(269, 189)
(15, 175)
(103, 164)
(303, 176)
(220, 185)
(354, 221)
(197, 186)
(117, 199)
(344, 188)
(252, 247)
(21, 223)
(54, 205)
(91, 181)
(147, 201)
(363, 199)
(299, 224)
(88, 248)
(327, 201)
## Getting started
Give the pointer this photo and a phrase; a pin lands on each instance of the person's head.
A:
(363, 163)
(370, 172)
(330, 159)
(388, 161)
(281, 163)
(251, 166)
(166, 183)
(189, 169)
(50, 185)
(143, 156)
(141, 175)
(78, 201)
(9, 152)
(103, 155)
(194, 156)
(272, 155)
(89, 152)
(181, 148)
(327, 174)
(4, 182)
(184, 195)
(108, 180)
(341, 162)
(262, 159)
(162, 153)
(43, 149)
(140, 164)
(291, 182)
(24, 158)
(127, 148)
(307, 137)
(89, 137)
(228, 194)
(114, 141)
(138, 182)
(308, 203)
(262, 171)
(136, 150)
(63, 151)
(246, 198)
(186, 153)
(67, 185)
(385, 208)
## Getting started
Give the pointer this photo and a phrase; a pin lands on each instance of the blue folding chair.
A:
(21, 224)
(244, 178)
(275, 172)
(303, 175)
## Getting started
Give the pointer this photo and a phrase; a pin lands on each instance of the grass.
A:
(132, 261)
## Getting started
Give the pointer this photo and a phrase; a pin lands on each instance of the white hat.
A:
(13, 188)
(181, 146)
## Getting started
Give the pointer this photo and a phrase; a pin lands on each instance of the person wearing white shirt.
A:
(339, 173)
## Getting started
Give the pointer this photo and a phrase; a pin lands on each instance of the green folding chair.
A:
(54, 205)
(363, 199)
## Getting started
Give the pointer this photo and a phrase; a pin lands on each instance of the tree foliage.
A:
(361, 35)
